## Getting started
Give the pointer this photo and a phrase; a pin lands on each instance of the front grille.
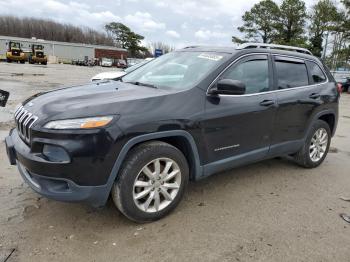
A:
(24, 121)
(16, 52)
(40, 54)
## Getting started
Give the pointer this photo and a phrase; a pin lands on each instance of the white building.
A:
(64, 51)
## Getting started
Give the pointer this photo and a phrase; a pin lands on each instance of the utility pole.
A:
(325, 48)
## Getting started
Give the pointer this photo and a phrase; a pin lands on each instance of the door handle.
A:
(267, 103)
(314, 95)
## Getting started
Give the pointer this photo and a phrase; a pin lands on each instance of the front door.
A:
(238, 127)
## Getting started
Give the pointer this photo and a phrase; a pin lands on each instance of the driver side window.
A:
(253, 73)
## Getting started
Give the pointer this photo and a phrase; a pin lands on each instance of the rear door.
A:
(298, 95)
(240, 125)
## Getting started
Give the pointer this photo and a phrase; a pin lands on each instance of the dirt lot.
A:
(269, 211)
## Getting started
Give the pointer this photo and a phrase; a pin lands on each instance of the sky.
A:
(179, 23)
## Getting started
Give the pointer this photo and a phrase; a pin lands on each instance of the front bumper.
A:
(16, 58)
(64, 190)
(39, 59)
(57, 188)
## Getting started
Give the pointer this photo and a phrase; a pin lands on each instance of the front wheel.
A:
(151, 182)
(316, 145)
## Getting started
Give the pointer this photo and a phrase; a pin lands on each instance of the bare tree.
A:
(50, 30)
(160, 45)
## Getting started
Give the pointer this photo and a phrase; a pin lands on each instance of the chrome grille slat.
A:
(20, 121)
(21, 111)
(24, 122)
(35, 119)
(18, 110)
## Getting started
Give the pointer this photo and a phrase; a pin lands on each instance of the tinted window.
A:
(291, 74)
(254, 74)
(316, 73)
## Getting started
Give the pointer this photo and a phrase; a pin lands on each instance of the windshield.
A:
(15, 45)
(178, 70)
(38, 47)
(132, 68)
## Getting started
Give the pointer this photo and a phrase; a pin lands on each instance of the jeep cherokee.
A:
(183, 116)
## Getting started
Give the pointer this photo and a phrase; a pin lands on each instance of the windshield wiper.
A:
(142, 84)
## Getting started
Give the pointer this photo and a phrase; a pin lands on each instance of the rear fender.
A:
(320, 114)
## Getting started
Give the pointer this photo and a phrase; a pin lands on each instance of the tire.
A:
(306, 156)
(126, 188)
(8, 60)
(22, 61)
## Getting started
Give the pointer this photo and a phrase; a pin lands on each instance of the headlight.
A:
(80, 123)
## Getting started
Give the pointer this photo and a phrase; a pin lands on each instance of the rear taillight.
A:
(339, 87)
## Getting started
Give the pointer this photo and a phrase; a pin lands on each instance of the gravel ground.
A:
(269, 211)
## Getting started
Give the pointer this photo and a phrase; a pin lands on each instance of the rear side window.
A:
(291, 74)
(316, 74)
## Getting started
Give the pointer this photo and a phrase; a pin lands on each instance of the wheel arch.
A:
(325, 115)
(178, 138)
(330, 119)
(330, 116)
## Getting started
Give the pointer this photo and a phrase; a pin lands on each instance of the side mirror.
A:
(228, 87)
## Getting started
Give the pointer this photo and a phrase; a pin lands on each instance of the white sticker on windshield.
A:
(210, 57)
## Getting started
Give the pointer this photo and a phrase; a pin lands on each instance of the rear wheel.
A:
(151, 182)
(316, 146)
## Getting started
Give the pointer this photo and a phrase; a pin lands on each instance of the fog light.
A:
(55, 153)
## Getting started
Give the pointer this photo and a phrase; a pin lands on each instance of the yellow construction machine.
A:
(37, 55)
(15, 53)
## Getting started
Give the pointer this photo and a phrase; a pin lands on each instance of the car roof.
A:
(234, 50)
(219, 49)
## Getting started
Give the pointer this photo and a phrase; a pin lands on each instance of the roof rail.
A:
(273, 46)
(191, 46)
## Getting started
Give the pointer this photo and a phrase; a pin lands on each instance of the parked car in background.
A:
(344, 82)
(134, 61)
(85, 62)
(343, 79)
(115, 75)
(184, 116)
(106, 62)
(121, 63)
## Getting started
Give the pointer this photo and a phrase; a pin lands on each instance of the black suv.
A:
(183, 116)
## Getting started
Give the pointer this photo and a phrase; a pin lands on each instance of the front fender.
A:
(198, 169)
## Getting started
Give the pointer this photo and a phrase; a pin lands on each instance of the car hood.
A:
(95, 99)
(108, 75)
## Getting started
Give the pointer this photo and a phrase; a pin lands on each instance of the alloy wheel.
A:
(318, 145)
(157, 185)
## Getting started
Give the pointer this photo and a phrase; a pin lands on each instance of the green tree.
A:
(291, 23)
(259, 23)
(345, 25)
(323, 18)
(125, 38)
